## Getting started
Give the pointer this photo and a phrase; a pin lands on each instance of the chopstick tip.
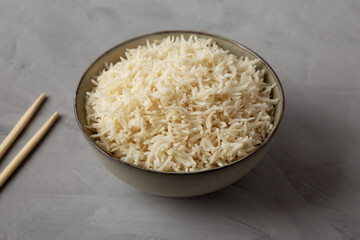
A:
(42, 96)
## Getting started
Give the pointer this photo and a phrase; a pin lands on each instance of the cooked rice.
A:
(180, 105)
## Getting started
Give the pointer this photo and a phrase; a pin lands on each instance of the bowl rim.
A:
(240, 160)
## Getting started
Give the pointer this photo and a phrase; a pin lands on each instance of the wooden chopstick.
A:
(20, 125)
(27, 149)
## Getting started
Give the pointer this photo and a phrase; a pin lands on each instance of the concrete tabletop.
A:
(307, 186)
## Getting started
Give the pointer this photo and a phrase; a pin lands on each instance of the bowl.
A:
(169, 183)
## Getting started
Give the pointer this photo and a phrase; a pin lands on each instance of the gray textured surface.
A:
(308, 186)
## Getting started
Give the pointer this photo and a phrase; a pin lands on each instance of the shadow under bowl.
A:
(168, 183)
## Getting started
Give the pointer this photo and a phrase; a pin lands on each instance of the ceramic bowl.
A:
(166, 183)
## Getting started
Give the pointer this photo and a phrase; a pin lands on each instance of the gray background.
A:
(308, 185)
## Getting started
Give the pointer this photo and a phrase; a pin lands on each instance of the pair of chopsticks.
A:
(14, 133)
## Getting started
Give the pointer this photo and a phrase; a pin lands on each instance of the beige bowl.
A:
(176, 184)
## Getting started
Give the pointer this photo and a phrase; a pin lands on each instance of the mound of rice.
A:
(180, 105)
